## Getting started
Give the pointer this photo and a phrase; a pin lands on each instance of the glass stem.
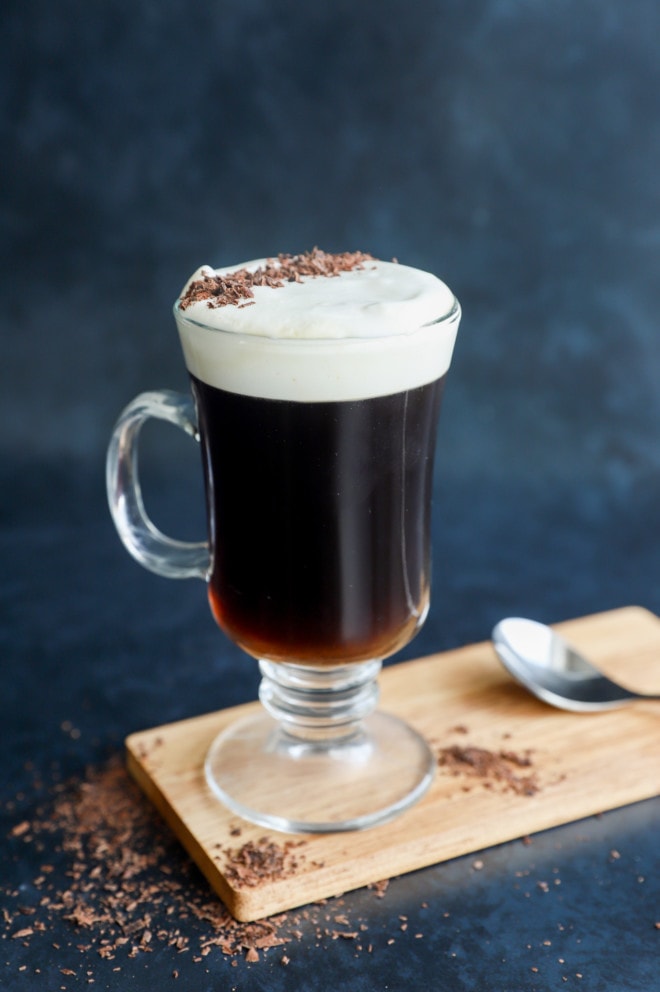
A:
(320, 705)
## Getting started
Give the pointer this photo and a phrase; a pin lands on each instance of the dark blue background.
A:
(511, 147)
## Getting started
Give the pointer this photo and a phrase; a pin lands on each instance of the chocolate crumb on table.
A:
(122, 885)
(237, 288)
(380, 888)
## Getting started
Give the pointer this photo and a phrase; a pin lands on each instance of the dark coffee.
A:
(319, 520)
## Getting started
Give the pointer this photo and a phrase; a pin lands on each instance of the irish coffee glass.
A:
(317, 563)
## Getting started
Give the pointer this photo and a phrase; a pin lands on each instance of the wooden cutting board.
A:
(508, 766)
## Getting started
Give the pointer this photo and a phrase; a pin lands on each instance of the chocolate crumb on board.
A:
(237, 288)
(493, 768)
(261, 861)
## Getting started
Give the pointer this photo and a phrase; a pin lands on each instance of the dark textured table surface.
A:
(513, 149)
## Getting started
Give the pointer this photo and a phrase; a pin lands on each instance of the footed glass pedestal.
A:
(319, 757)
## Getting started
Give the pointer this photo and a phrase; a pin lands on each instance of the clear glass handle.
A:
(142, 539)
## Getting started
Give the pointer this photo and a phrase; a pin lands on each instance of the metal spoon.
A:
(551, 669)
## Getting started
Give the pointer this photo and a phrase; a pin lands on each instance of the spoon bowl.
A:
(546, 665)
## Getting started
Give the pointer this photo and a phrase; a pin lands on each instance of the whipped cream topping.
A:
(373, 329)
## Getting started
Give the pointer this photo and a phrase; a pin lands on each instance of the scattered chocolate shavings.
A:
(499, 769)
(237, 288)
(123, 887)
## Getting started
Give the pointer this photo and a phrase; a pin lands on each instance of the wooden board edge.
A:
(185, 836)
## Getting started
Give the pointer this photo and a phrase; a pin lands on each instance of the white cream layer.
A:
(368, 332)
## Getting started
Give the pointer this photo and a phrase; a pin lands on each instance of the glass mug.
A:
(317, 561)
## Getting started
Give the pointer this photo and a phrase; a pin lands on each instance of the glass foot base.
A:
(279, 781)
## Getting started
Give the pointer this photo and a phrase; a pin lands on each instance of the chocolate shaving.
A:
(261, 861)
(493, 768)
(237, 288)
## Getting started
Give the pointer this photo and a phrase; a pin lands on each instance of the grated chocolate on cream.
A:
(235, 288)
